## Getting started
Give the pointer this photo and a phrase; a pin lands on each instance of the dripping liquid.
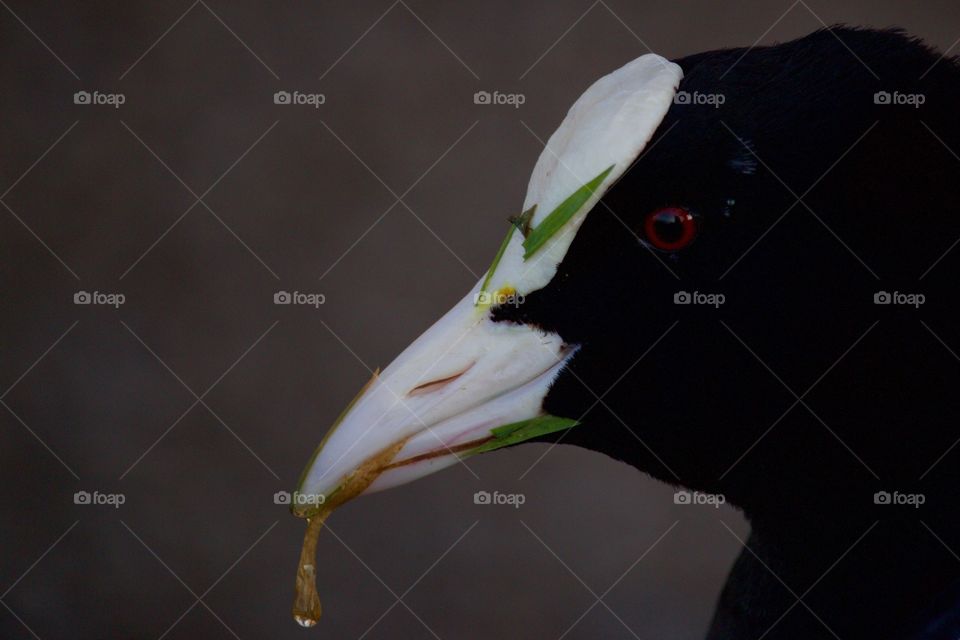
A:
(306, 601)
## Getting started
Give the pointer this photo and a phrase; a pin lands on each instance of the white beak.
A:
(444, 396)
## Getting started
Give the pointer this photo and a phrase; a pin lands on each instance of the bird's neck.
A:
(839, 575)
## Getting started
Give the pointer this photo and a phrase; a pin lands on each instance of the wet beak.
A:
(470, 384)
(438, 401)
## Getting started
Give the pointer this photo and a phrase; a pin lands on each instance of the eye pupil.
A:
(670, 228)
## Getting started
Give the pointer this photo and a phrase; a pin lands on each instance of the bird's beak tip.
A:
(449, 395)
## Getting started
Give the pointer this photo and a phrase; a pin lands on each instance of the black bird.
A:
(761, 304)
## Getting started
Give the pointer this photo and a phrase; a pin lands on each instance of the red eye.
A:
(670, 228)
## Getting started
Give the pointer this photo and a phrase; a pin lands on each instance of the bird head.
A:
(637, 306)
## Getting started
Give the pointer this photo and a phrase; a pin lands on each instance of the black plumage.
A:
(811, 194)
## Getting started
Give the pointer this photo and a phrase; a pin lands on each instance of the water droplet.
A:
(304, 621)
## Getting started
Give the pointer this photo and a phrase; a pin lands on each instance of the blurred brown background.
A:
(298, 198)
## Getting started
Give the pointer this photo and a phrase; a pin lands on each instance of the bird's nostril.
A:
(436, 385)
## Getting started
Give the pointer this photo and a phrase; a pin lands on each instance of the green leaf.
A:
(561, 215)
(517, 432)
(496, 261)
(520, 222)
